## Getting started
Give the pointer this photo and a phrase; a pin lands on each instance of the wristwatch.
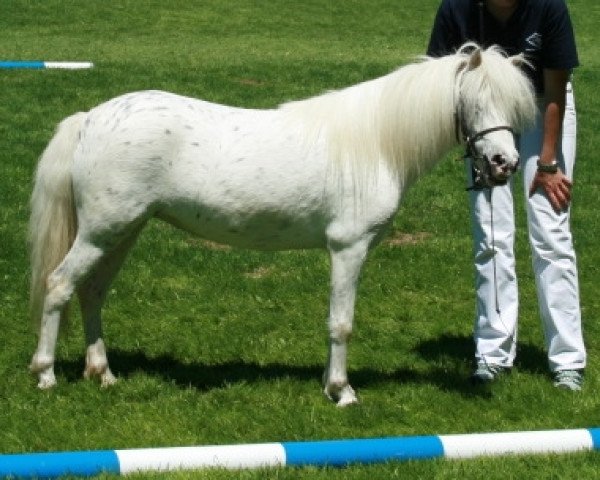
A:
(547, 167)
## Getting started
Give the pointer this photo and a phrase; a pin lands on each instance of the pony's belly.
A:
(265, 230)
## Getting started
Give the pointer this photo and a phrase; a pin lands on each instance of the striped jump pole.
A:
(317, 453)
(35, 65)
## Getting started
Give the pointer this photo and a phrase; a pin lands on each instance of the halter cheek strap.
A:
(460, 131)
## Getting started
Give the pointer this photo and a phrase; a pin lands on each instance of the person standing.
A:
(542, 31)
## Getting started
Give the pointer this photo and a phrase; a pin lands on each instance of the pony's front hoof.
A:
(107, 379)
(347, 397)
(341, 396)
(46, 379)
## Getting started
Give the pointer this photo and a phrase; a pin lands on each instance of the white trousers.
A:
(554, 262)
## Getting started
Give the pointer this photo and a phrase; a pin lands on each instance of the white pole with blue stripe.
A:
(38, 65)
(316, 453)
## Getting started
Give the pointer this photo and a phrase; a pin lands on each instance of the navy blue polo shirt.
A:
(540, 29)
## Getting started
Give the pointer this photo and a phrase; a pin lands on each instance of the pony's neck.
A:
(404, 119)
(417, 116)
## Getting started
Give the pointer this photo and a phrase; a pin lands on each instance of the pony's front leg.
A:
(346, 264)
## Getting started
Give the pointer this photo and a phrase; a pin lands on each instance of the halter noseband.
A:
(470, 141)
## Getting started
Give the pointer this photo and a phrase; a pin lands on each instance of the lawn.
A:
(218, 346)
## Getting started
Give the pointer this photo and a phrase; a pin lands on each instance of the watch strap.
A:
(547, 167)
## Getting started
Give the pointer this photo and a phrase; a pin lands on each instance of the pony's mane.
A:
(406, 118)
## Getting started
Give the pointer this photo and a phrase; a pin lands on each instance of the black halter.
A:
(481, 164)
(470, 141)
(462, 135)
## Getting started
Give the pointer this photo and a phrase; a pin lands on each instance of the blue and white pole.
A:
(17, 64)
(317, 453)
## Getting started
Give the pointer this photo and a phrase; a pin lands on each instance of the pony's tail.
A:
(53, 222)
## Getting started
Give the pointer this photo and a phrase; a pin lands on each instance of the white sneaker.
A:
(568, 380)
(486, 373)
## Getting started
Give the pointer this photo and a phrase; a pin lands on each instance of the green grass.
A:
(226, 346)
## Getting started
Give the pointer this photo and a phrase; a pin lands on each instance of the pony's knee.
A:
(340, 331)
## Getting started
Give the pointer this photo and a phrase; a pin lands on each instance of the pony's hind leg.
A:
(346, 264)
(60, 286)
(92, 294)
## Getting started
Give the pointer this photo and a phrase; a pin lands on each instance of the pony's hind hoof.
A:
(107, 379)
(44, 368)
(96, 364)
(102, 373)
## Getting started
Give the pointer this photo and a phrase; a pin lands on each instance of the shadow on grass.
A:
(201, 376)
(530, 358)
(452, 351)
(204, 377)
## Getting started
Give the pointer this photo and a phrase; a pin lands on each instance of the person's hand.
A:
(556, 186)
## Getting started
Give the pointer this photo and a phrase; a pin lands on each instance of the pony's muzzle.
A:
(502, 167)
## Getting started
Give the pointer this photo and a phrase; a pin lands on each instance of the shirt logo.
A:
(534, 42)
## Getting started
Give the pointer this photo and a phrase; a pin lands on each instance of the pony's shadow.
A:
(200, 376)
(453, 352)
(205, 377)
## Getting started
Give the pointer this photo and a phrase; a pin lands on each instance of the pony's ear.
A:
(475, 59)
(519, 60)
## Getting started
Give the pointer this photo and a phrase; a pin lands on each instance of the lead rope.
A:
(494, 268)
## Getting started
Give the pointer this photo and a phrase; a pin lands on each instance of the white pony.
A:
(327, 172)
